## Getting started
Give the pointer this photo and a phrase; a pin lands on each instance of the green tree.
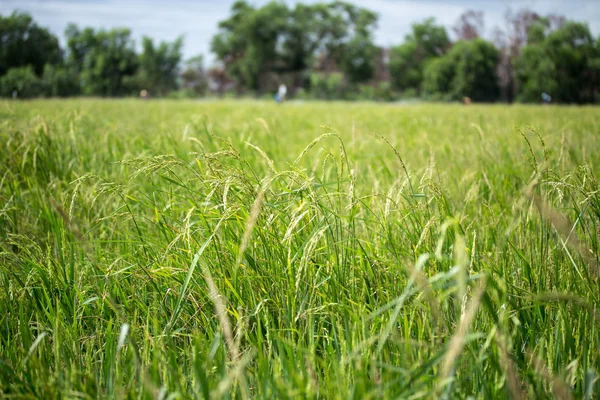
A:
(536, 74)
(354, 49)
(105, 60)
(25, 43)
(564, 63)
(358, 59)
(339, 25)
(255, 42)
(438, 78)
(467, 70)
(475, 74)
(159, 66)
(407, 61)
(303, 35)
(315, 34)
(248, 40)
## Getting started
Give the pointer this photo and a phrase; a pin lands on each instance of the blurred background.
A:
(383, 50)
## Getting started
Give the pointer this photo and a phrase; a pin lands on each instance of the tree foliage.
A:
(407, 61)
(105, 60)
(22, 81)
(24, 43)
(467, 70)
(358, 59)
(564, 62)
(60, 81)
(274, 39)
(247, 41)
(158, 66)
(521, 28)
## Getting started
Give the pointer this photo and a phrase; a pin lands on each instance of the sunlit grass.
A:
(247, 249)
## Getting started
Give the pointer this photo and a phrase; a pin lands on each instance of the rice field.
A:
(244, 249)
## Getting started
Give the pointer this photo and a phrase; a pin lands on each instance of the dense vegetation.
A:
(320, 50)
(242, 249)
(96, 62)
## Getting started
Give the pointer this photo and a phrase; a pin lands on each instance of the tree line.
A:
(323, 50)
(94, 63)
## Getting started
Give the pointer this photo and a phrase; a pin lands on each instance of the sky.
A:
(197, 19)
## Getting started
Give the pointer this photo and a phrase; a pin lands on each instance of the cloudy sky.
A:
(197, 19)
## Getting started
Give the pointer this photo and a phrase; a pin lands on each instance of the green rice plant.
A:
(179, 249)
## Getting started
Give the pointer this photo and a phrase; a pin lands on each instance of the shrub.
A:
(23, 81)
(327, 86)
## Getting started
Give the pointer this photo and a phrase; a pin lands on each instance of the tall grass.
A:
(243, 249)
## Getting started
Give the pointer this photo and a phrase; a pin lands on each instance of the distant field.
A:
(168, 249)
